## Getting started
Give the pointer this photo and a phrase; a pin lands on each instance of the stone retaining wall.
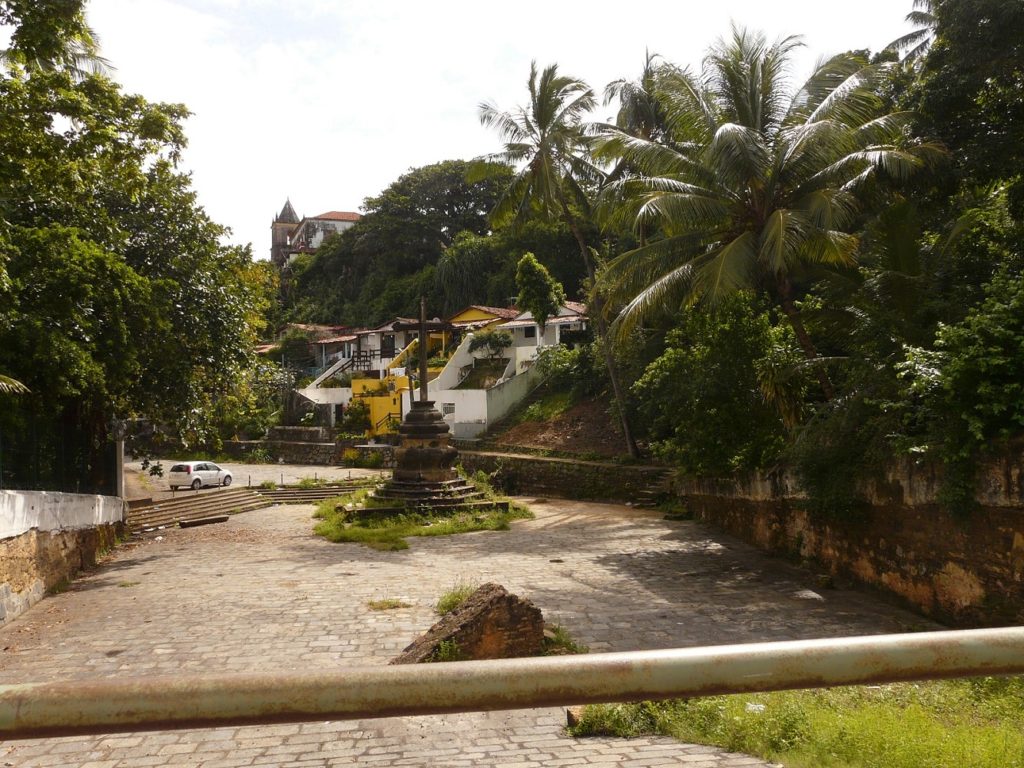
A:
(325, 454)
(964, 571)
(567, 478)
(46, 538)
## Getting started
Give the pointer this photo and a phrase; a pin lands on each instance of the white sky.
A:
(328, 101)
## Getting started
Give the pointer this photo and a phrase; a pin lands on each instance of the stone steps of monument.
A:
(191, 506)
(425, 493)
(437, 506)
(306, 495)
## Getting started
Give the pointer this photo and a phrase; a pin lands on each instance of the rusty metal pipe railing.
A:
(157, 703)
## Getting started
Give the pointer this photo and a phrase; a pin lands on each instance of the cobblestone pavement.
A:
(259, 593)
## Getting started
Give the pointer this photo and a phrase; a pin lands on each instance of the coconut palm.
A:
(917, 42)
(640, 112)
(754, 182)
(9, 386)
(546, 143)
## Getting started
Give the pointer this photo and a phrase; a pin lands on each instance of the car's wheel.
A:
(226, 481)
(197, 484)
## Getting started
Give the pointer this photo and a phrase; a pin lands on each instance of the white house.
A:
(525, 332)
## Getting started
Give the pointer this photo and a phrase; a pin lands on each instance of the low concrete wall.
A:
(964, 571)
(45, 538)
(568, 478)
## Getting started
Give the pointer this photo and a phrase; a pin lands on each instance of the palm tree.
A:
(545, 142)
(640, 112)
(917, 42)
(753, 182)
(9, 386)
(53, 35)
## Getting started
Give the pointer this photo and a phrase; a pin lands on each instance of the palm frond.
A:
(9, 386)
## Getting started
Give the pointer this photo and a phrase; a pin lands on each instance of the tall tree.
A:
(755, 182)
(545, 142)
(539, 293)
(915, 44)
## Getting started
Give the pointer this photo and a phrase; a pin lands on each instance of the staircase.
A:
(444, 494)
(659, 490)
(307, 495)
(144, 514)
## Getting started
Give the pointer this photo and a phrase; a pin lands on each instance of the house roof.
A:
(506, 312)
(529, 322)
(262, 349)
(575, 306)
(339, 216)
(336, 339)
(388, 325)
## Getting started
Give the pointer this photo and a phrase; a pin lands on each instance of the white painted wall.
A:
(327, 395)
(476, 409)
(21, 511)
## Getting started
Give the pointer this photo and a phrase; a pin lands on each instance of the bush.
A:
(701, 400)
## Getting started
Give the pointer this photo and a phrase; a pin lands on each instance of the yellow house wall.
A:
(381, 403)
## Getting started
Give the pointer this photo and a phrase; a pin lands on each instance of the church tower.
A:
(280, 230)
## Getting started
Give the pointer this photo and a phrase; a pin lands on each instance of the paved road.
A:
(260, 593)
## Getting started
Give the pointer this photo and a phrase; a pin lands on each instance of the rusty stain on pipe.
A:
(162, 703)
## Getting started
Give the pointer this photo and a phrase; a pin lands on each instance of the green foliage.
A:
(379, 268)
(559, 642)
(389, 531)
(387, 604)
(293, 349)
(447, 650)
(455, 596)
(493, 341)
(701, 400)
(971, 82)
(356, 418)
(539, 293)
(116, 296)
(941, 724)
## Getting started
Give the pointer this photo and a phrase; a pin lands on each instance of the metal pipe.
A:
(158, 703)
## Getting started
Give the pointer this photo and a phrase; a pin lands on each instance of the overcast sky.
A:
(329, 101)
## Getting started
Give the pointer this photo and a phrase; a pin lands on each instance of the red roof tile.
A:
(339, 216)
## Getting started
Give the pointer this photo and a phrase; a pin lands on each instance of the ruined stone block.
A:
(491, 624)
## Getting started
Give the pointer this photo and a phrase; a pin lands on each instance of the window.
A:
(447, 409)
(530, 332)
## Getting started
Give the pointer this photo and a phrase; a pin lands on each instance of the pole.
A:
(423, 349)
(108, 705)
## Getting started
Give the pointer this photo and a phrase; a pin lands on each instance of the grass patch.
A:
(549, 406)
(455, 596)
(387, 604)
(447, 650)
(943, 724)
(558, 642)
(309, 483)
(126, 584)
(390, 533)
(270, 485)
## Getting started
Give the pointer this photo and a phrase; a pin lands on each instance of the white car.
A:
(196, 474)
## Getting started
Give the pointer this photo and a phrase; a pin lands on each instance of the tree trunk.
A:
(804, 339)
(602, 331)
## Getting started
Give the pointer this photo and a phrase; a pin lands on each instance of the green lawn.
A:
(946, 724)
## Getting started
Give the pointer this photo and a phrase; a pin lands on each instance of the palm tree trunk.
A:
(804, 339)
(602, 330)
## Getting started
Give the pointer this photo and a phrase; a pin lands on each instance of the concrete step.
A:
(193, 506)
(306, 495)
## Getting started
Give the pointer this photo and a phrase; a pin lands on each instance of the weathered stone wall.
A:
(490, 624)
(46, 538)
(568, 478)
(966, 572)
